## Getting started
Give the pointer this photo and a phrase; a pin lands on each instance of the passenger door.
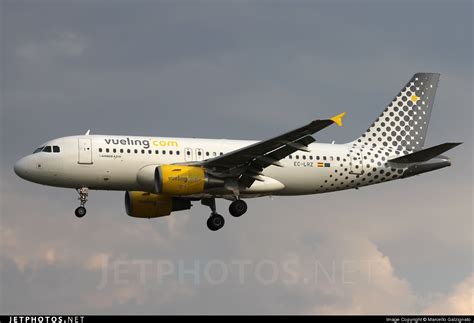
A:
(85, 151)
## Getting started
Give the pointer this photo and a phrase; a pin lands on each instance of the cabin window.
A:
(128, 151)
(188, 153)
(106, 150)
(290, 157)
(222, 153)
(171, 152)
(310, 157)
(121, 150)
(199, 153)
(164, 152)
(214, 154)
(114, 150)
(157, 152)
(177, 152)
(135, 151)
(304, 157)
(143, 151)
(207, 153)
(338, 158)
(150, 152)
(297, 157)
(331, 158)
(100, 150)
(324, 157)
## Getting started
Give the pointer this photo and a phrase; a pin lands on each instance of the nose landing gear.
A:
(80, 211)
(83, 195)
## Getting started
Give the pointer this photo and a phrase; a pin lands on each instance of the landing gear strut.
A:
(83, 194)
(215, 221)
(237, 208)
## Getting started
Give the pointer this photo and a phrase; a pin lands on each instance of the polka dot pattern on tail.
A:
(403, 125)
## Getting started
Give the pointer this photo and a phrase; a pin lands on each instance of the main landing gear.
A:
(216, 221)
(237, 208)
(83, 194)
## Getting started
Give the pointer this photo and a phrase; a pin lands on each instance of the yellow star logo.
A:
(414, 98)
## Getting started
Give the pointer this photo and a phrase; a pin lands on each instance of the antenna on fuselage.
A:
(88, 132)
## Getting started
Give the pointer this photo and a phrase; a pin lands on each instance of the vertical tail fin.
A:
(404, 123)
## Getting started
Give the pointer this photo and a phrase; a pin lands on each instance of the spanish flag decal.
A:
(324, 165)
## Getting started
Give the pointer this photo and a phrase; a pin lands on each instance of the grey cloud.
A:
(320, 229)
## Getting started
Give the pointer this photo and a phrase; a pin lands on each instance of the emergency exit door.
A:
(356, 161)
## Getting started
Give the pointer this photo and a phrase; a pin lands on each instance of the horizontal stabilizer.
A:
(425, 154)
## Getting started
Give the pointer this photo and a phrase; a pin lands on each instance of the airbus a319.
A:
(161, 175)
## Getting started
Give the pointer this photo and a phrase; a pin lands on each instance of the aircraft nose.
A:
(21, 167)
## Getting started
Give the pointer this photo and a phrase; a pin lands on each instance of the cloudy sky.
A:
(245, 70)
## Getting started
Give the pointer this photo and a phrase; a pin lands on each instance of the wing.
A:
(247, 163)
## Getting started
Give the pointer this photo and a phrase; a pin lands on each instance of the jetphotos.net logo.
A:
(145, 143)
(46, 319)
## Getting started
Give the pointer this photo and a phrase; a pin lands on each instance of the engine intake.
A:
(149, 205)
(184, 180)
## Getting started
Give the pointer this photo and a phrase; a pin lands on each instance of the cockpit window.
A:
(47, 149)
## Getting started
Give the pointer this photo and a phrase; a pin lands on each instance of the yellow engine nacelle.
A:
(148, 205)
(179, 180)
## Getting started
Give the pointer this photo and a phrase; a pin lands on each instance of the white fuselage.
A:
(114, 162)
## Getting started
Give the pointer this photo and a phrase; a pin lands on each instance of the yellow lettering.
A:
(164, 143)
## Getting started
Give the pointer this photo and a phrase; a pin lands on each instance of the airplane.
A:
(161, 175)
